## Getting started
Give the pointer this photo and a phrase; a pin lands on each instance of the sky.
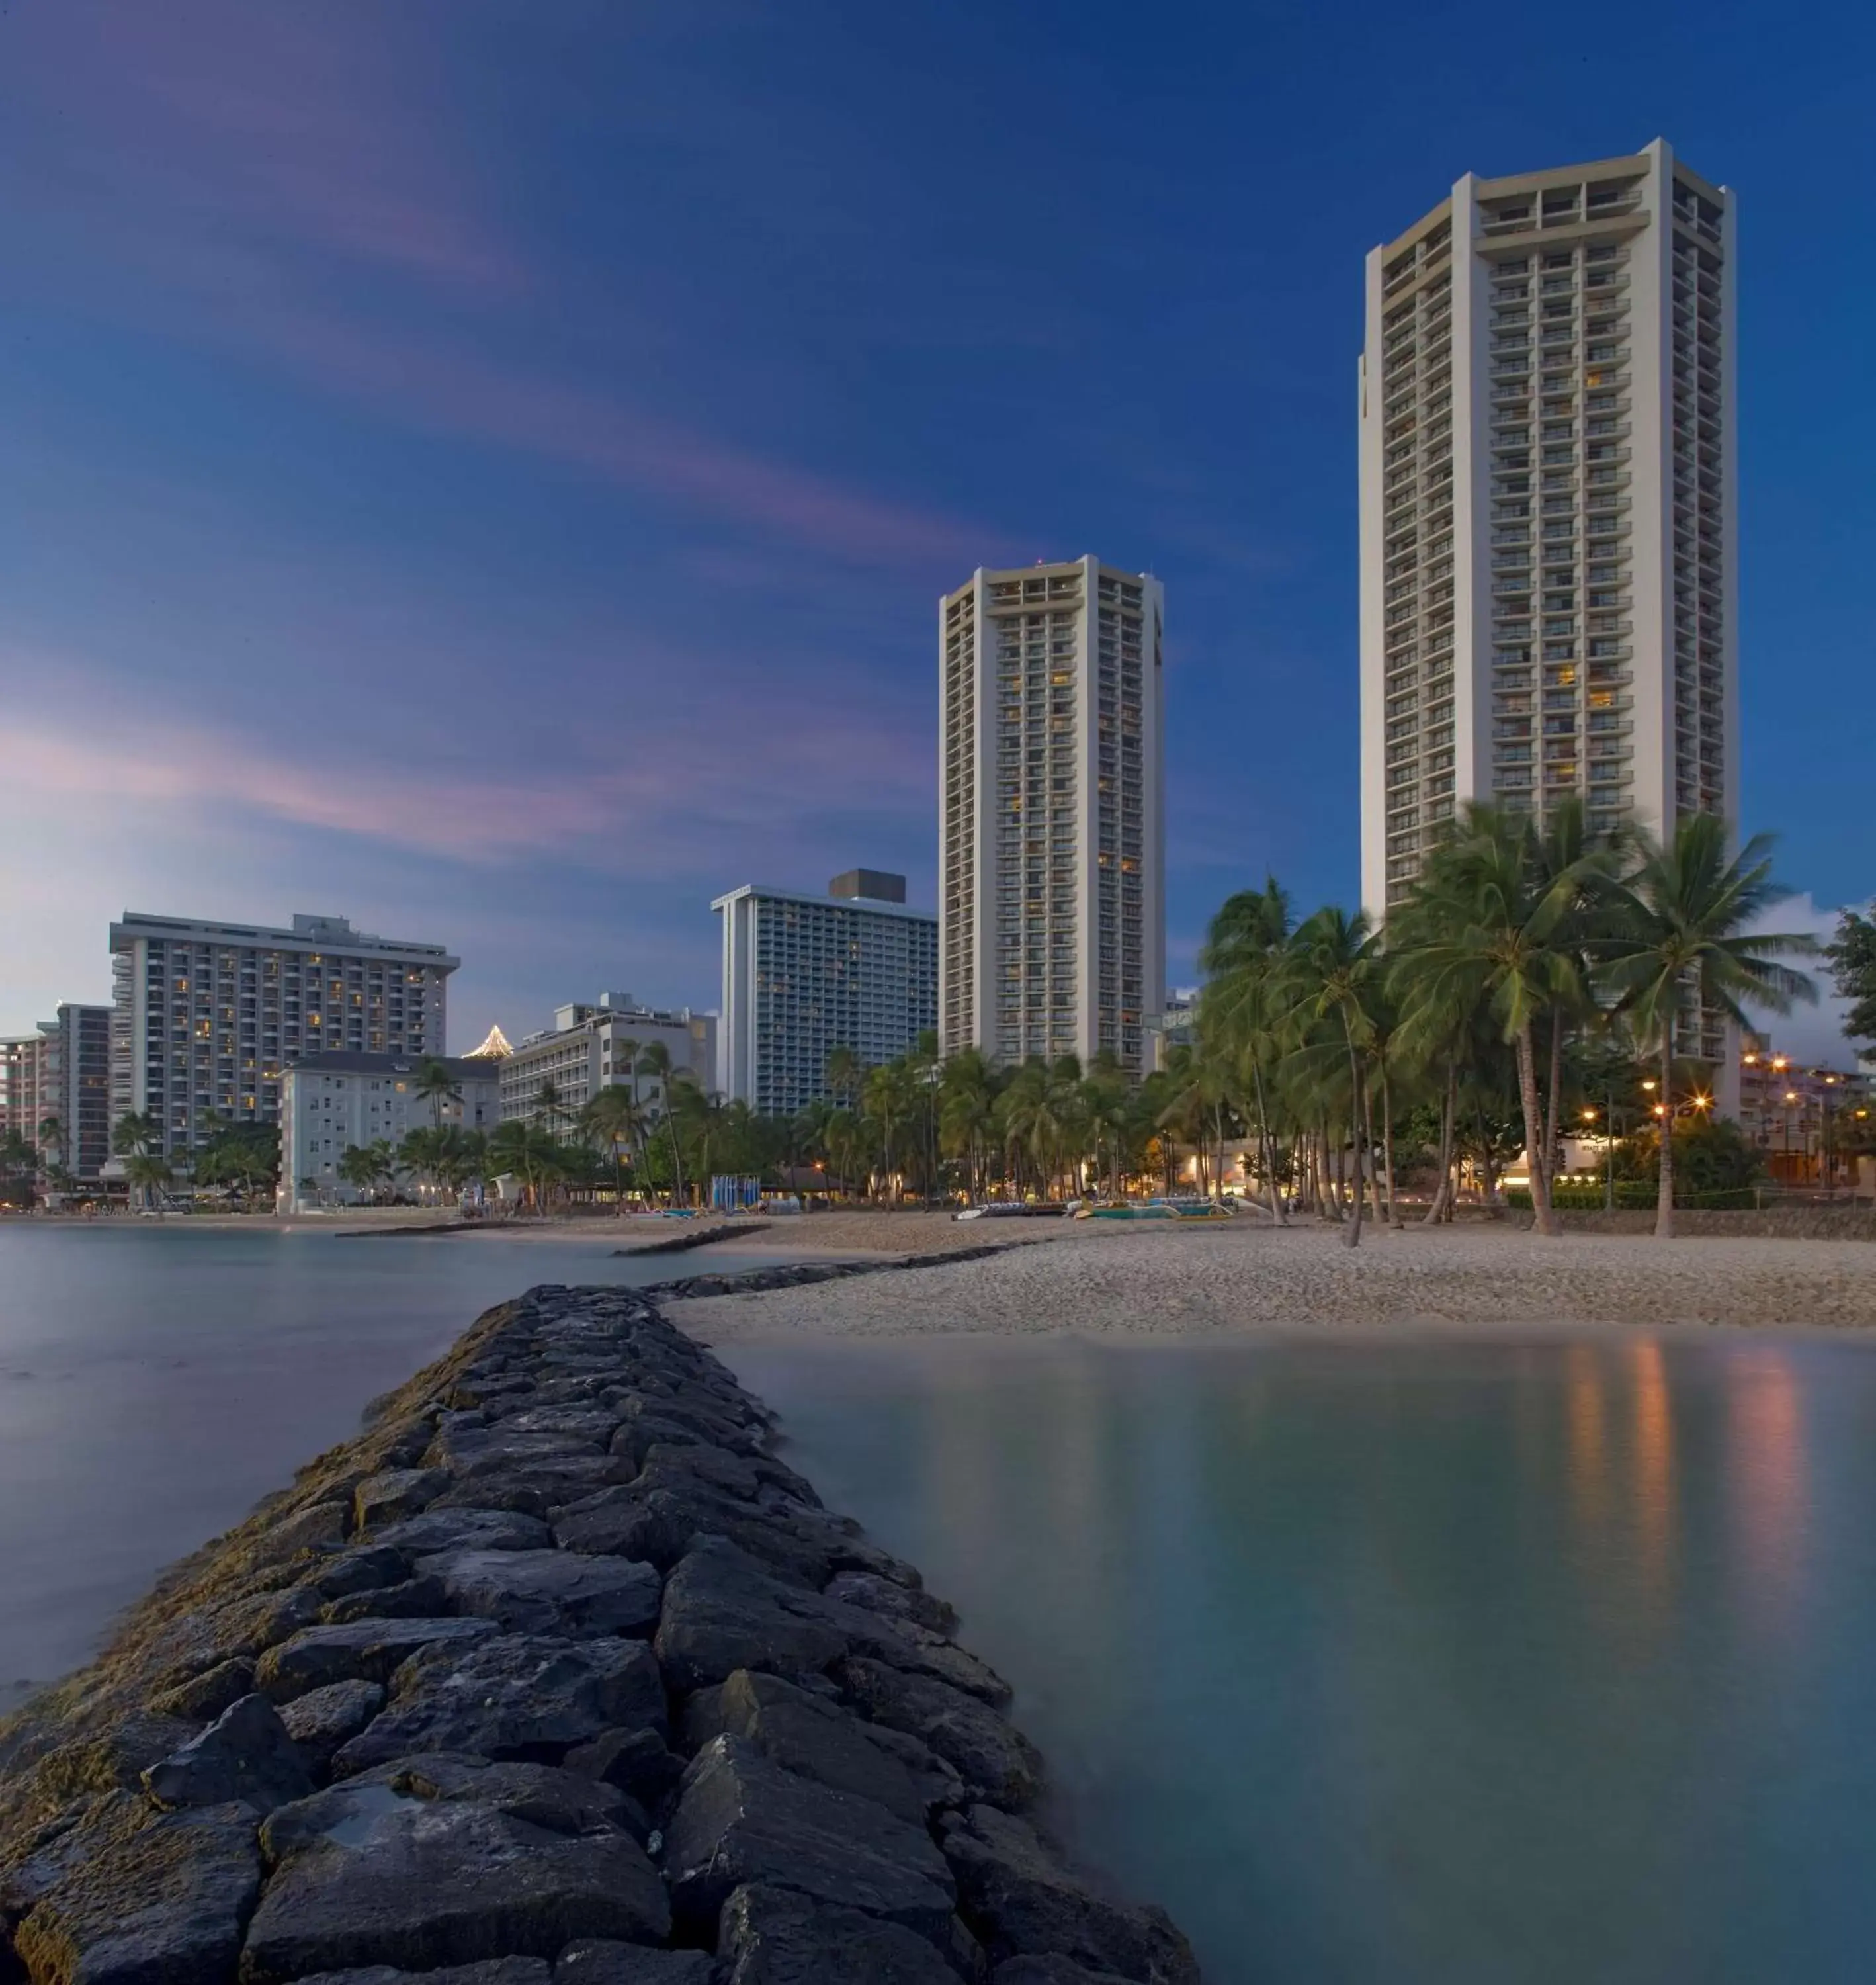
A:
(487, 469)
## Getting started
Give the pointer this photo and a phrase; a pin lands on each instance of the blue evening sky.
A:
(488, 469)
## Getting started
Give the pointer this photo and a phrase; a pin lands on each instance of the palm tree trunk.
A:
(1387, 1144)
(1545, 1219)
(1357, 1102)
(1449, 1111)
(1553, 1120)
(1267, 1145)
(1664, 1197)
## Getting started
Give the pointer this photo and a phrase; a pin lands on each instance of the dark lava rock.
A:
(594, 1425)
(897, 1602)
(549, 1591)
(370, 1648)
(415, 1599)
(740, 1818)
(379, 1876)
(660, 1525)
(542, 1795)
(1050, 1970)
(770, 1937)
(491, 1971)
(245, 1754)
(478, 1448)
(743, 1476)
(466, 1530)
(515, 1695)
(128, 1896)
(319, 1526)
(723, 1611)
(996, 1761)
(594, 1961)
(536, 1486)
(1020, 1901)
(322, 1719)
(806, 1734)
(115, 1761)
(398, 1493)
(638, 1761)
(208, 1694)
(368, 1568)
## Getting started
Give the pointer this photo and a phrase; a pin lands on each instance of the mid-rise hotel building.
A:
(1051, 860)
(1549, 509)
(803, 975)
(206, 1016)
(591, 1047)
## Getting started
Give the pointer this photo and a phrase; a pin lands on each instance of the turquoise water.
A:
(155, 1380)
(1488, 1663)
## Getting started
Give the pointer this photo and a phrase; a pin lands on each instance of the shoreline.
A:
(1156, 1285)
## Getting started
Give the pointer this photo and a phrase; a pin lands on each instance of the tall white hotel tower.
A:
(1052, 937)
(1548, 515)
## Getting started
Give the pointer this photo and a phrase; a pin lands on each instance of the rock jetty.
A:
(555, 1675)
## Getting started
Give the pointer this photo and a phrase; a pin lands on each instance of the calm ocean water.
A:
(156, 1381)
(1485, 1663)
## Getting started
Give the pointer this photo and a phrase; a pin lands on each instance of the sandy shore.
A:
(1151, 1281)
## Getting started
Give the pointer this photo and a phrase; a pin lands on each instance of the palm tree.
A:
(1679, 935)
(1331, 974)
(613, 1118)
(51, 1138)
(844, 1075)
(529, 1151)
(967, 1102)
(1243, 951)
(887, 1101)
(369, 1167)
(146, 1173)
(436, 1086)
(1494, 932)
(135, 1133)
(655, 1062)
(548, 1107)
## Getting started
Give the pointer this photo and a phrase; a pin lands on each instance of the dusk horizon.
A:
(495, 481)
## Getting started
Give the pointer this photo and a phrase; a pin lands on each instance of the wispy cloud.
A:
(695, 783)
(1812, 1033)
(266, 131)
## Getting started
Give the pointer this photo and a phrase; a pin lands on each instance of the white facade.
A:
(208, 1016)
(1051, 828)
(339, 1099)
(804, 975)
(590, 1047)
(1549, 509)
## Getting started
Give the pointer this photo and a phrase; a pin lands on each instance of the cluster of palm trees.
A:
(1529, 959)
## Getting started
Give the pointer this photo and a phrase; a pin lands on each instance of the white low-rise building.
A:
(591, 1047)
(335, 1100)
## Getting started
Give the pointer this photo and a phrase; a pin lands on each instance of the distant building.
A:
(1800, 1115)
(22, 1082)
(336, 1099)
(209, 1016)
(1050, 833)
(1175, 1025)
(588, 1047)
(804, 975)
(61, 1069)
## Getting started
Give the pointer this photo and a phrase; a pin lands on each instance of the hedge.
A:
(1635, 1196)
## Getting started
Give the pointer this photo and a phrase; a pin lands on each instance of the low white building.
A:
(334, 1100)
(590, 1047)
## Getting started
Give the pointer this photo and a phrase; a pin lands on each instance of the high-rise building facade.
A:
(1050, 857)
(23, 1083)
(206, 1016)
(1549, 510)
(803, 975)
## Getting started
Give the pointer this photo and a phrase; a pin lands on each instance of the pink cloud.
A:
(695, 780)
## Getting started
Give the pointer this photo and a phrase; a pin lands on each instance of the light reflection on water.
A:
(1413, 1659)
(157, 1380)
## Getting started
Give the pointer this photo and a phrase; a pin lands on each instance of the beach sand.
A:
(1150, 1280)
